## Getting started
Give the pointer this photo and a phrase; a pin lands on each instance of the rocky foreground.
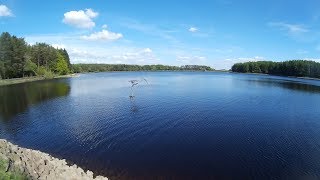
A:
(38, 165)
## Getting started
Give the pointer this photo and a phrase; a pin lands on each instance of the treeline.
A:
(79, 68)
(298, 68)
(19, 59)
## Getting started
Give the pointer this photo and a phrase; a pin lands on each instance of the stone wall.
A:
(37, 165)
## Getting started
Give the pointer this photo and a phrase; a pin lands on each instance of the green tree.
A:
(299, 68)
(62, 66)
(6, 54)
(19, 48)
(2, 70)
(17, 58)
(12, 55)
(66, 57)
(30, 68)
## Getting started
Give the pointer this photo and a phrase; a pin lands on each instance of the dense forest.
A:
(78, 68)
(19, 59)
(298, 68)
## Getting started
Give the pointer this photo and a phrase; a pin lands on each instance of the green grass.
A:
(48, 75)
(4, 82)
(9, 175)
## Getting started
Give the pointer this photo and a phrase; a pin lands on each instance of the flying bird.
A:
(134, 83)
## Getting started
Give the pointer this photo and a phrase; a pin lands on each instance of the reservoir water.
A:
(179, 125)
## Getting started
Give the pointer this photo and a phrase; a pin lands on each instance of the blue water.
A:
(181, 125)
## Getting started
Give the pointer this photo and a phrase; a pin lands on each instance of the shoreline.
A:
(295, 77)
(38, 165)
(6, 82)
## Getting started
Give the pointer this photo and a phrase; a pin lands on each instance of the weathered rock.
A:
(37, 165)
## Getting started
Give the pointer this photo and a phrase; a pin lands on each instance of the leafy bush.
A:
(47, 74)
(30, 68)
(41, 71)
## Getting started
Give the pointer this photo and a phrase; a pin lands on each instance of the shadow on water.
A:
(133, 106)
(292, 85)
(16, 99)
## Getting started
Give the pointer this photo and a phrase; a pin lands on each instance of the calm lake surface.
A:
(182, 125)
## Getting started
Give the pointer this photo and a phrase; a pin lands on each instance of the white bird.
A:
(134, 83)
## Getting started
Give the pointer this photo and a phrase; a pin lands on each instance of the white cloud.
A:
(125, 56)
(147, 50)
(80, 19)
(191, 59)
(239, 60)
(91, 13)
(229, 62)
(144, 56)
(92, 52)
(5, 11)
(103, 35)
(104, 26)
(290, 28)
(193, 29)
(59, 46)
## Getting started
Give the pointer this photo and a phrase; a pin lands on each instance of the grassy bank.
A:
(9, 175)
(5, 82)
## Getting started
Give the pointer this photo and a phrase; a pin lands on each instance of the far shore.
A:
(262, 74)
(5, 82)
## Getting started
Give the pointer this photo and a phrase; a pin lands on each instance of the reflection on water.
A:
(134, 108)
(184, 125)
(17, 98)
(292, 85)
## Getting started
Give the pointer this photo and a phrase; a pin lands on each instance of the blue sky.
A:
(217, 33)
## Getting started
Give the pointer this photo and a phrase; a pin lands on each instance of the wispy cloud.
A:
(81, 51)
(289, 28)
(191, 59)
(196, 32)
(301, 51)
(5, 11)
(227, 63)
(126, 56)
(246, 59)
(151, 29)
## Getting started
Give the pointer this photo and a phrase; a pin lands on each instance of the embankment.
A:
(38, 165)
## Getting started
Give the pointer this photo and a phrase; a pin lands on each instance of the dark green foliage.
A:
(298, 68)
(12, 56)
(18, 59)
(44, 55)
(78, 68)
